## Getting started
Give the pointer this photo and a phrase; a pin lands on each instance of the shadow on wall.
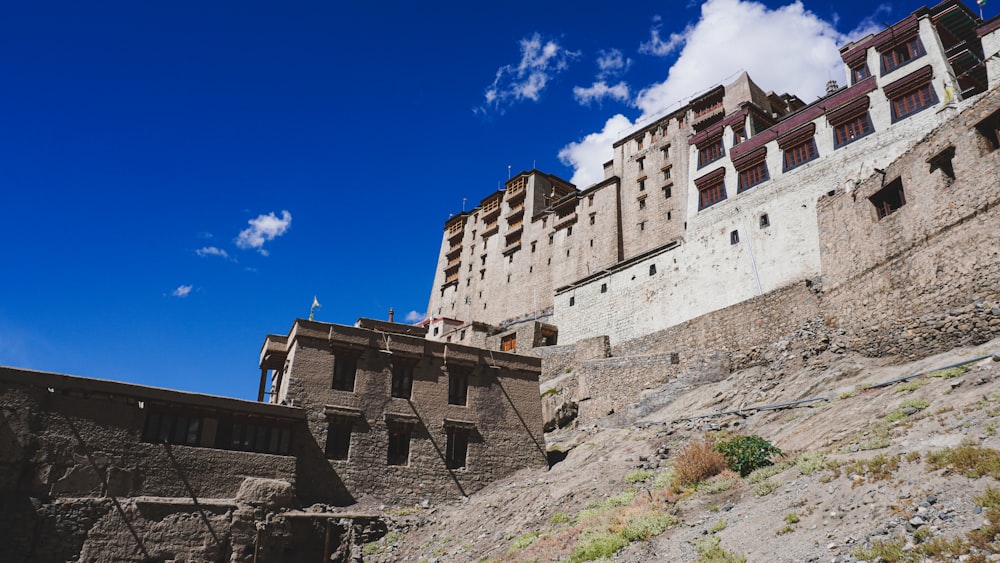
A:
(315, 479)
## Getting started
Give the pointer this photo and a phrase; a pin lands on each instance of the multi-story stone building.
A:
(708, 206)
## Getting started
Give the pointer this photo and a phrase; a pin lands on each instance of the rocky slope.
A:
(863, 475)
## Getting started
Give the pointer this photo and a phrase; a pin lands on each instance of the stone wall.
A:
(926, 277)
(77, 482)
(502, 414)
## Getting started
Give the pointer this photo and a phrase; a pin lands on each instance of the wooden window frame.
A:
(457, 447)
(345, 372)
(799, 154)
(913, 101)
(752, 176)
(458, 388)
(398, 451)
(902, 54)
(711, 152)
(402, 380)
(852, 130)
(338, 438)
(889, 199)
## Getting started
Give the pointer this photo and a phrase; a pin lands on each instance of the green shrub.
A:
(809, 463)
(745, 454)
(524, 540)
(559, 518)
(638, 476)
(598, 546)
(711, 552)
(718, 526)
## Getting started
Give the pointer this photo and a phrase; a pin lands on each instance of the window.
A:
(437, 328)
(889, 199)
(569, 231)
(752, 176)
(739, 135)
(989, 128)
(667, 192)
(652, 269)
(399, 444)
(764, 221)
(642, 226)
(900, 55)
(344, 369)
(638, 143)
(170, 428)
(666, 172)
(458, 388)
(533, 243)
(852, 130)
(642, 163)
(642, 184)
(457, 448)
(604, 288)
(668, 215)
(642, 203)
(711, 188)
(913, 102)
(593, 218)
(572, 301)
(508, 343)
(402, 380)
(665, 151)
(551, 237)
(711, 152)
(338, 437)
(859, 73)
(734, 237)
(800, 154)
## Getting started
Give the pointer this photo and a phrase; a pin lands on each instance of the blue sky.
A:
(181, 178)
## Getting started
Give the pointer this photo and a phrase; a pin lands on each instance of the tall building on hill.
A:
(704, 207)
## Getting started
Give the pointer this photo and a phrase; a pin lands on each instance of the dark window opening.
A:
(943, 161)
(859, 73)
(592, 218)
(710, 153)
(642, 163)
(344, 370)
(642, 226)
(667, 192)
(508, 343)
(711, 194)
(668, 215)
(642, 204)
(642, 185)
(765, 221)
(338, 438)
(458, 447)
(901, 55)
(572, 301)
(752, 176)
(734, 237)
(913, 102)
(739, 135)
(889, 199)
(800, 154)
(989, 128)
(458, 389)
(402, 379)
(399, 444)
(652, 269)
(604, 288)
(852, 130)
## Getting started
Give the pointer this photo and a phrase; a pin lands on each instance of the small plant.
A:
(598, 546)
(767, 472)
(711, 552)
(559, 518)
(970, 460)
(922, 534)
(663, 480)
(791, 518)
(638, 476)
(889, 551)
(810, 463)
(552, 391)
(878, 468)
(766, 488)
(784, 530)
(697, 462)
(718, 526)
(987, 538)
(848, 394)
(909, 386)
(523, 541)
(950, 372)
(913, 456)
(716, 486)
(744, 454)
(919, 404)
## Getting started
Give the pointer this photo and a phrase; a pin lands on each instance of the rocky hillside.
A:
(895, 473)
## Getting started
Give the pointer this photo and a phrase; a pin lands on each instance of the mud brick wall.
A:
(925, 278)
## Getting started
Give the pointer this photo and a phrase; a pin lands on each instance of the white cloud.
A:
(211, 251)
(182, 291)
(656, 46)
(414, 317)
(611, 64)
(588, 155)
(262, 229)
(540, 62)
(600, 90)
(787, 49)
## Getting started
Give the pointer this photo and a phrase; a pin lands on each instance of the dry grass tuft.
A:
(698, 462)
